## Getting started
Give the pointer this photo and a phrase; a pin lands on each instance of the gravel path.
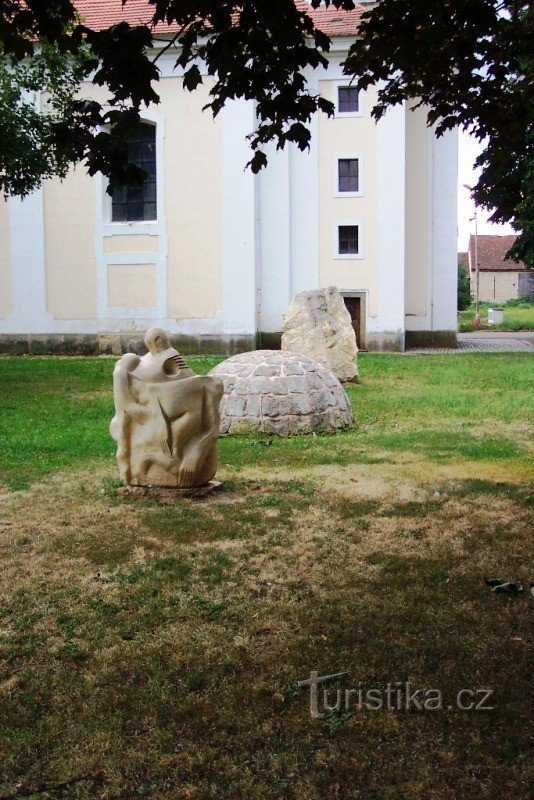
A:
(485, 342)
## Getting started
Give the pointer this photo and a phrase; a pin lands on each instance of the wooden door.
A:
(354, 307)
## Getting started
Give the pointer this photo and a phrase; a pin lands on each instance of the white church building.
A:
(215, 254)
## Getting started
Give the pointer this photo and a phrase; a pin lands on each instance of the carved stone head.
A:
(157, 340)
(162, 363)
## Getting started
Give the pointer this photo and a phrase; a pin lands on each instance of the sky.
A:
(469, 149)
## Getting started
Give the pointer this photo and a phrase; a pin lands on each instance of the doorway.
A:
(355, 305)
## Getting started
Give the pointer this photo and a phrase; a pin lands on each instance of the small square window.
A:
(348, 100)
(348, 240)
(348, 175)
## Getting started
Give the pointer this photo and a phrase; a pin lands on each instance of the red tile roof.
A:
(97, 14)
(332, 21)
(491, 253)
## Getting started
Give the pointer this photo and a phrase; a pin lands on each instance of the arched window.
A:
(138, 203)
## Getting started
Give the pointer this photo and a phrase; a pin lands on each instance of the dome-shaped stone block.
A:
(281, 393)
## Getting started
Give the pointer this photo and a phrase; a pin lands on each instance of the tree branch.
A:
(168, 47)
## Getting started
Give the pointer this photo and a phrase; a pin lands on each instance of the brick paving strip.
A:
(484, 342)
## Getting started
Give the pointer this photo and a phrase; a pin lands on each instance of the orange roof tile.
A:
(98, 14)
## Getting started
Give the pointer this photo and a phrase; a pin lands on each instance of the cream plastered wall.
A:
(343, 137)
(192, 190)
(192, 201)
(496, 286)
(69, 232)
(130, 244)
(416, 247)
(5, 261)
(131, 286)
(69, 210)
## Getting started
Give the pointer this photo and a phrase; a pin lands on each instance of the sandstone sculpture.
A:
(318, 325)
(166, 421)
(281, 393)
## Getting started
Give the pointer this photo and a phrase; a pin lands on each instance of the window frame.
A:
(148, 227)
(142, 202)
(340, 223)
(353, 157)
(105, 230)
(346, 84)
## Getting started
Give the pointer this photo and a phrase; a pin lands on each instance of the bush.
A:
(520, 302)
(464, 292)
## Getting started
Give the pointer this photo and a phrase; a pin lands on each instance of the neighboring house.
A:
(215, 254)
(499, 280)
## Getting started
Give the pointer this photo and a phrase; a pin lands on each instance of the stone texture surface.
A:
(318, 325)
(275, 392)
(94, 344)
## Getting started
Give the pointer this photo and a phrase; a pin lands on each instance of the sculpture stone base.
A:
(170, 495)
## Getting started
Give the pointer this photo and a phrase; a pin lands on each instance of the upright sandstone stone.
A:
(318, 325)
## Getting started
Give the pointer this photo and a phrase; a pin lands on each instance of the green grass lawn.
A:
(516, 317)
(55, 414)
(153, 650)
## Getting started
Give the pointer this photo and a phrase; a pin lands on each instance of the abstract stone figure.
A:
(318, 325)
(166, 421)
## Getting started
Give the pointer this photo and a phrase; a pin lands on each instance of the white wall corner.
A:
(304, 199)
(276, 233)
(239, 257)
(444, 227)
(28, 267)
(391, 131)
(289, 225)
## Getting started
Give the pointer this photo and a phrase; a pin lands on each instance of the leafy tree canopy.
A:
(469, 62)
(35, 95)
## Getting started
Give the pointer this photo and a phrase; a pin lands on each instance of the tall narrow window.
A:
(348, 100)
(348, 240)
(348, 175)
(138, 203)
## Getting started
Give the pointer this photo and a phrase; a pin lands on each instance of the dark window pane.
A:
(135, 212)
(149, 193)
(150, 211)
(119, 195)
(119, 212)
(348, 239)
(348, 175)
(138, 203)
(135, 194)
(348, 100)
(135, 151)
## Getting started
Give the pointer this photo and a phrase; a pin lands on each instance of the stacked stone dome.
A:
(282, 393)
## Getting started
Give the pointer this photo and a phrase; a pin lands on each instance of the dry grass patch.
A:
(159, 647)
